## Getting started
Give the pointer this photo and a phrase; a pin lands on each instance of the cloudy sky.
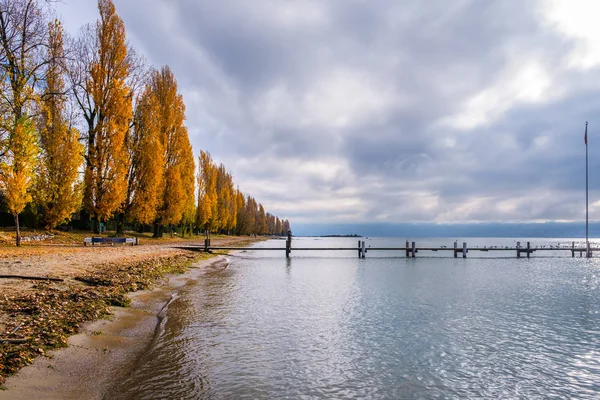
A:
(395, 111)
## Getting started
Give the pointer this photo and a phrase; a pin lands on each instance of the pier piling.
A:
(288, 244)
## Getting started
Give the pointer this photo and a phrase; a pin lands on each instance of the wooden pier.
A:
(410, 250)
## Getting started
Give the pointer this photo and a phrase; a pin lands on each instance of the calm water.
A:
(328, 325)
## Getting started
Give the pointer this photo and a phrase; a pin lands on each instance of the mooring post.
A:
(464, 249)
(455, 249)
(573, 249)
(414, 250)
(528, 249)
(288, 244)
(518, 249)
(359, 250)
(364, 251)
(589, 248)
(407, 249)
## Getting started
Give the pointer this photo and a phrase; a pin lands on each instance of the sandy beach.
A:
(105, 349)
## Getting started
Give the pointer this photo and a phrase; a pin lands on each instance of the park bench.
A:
(110, 240)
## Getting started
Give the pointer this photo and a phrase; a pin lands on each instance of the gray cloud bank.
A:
(383, 111)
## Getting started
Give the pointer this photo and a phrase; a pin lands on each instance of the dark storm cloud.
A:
(382, 110)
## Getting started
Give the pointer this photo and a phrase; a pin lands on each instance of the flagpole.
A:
(587, 243)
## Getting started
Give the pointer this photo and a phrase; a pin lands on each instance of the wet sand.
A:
(104, 352)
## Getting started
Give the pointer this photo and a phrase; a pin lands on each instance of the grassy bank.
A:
(49, 313)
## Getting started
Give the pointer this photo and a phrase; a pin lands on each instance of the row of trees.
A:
(222, 207)
(132, 146)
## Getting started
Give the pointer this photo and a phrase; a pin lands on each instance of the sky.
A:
(385, 111)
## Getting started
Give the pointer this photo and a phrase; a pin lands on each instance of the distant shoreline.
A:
(350, 235)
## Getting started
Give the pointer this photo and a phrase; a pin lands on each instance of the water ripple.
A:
(379, 328)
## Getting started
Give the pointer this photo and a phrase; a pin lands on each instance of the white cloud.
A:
(526, 81)
(388, 111)
(578, 20)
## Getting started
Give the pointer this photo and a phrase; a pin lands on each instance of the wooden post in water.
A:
(414, 250)
(288, 244)
(518, 249)
(407, 250)
(359, 250)
(464, 249)
(364, 251)
(455, 249)
(573, 249)
(528, 249)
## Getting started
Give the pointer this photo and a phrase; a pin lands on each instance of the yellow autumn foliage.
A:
(106, 167)
(17, 169)
(173, 196)
(147, 161)
(58, 190)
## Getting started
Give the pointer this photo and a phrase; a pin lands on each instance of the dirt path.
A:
(69, 261)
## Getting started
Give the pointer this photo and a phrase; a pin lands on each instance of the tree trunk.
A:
(18, 230)
(120, 223)
(96, 223)
(157, 230)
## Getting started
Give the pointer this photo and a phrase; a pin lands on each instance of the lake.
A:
(330, 325)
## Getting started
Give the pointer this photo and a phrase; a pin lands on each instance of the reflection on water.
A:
(267, 327)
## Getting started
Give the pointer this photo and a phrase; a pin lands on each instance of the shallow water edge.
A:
(105, 351)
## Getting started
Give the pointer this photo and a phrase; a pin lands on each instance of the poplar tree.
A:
(58, 190)
(146, 153)
(260, 227)
(177, 150)
(188, 169)
(102, 92)
(241, 223)
(207, 191)
(251, 210)
(285, 227)
(224, 191)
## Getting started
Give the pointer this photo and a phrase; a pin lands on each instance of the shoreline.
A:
(41, 317)
(104, 348)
